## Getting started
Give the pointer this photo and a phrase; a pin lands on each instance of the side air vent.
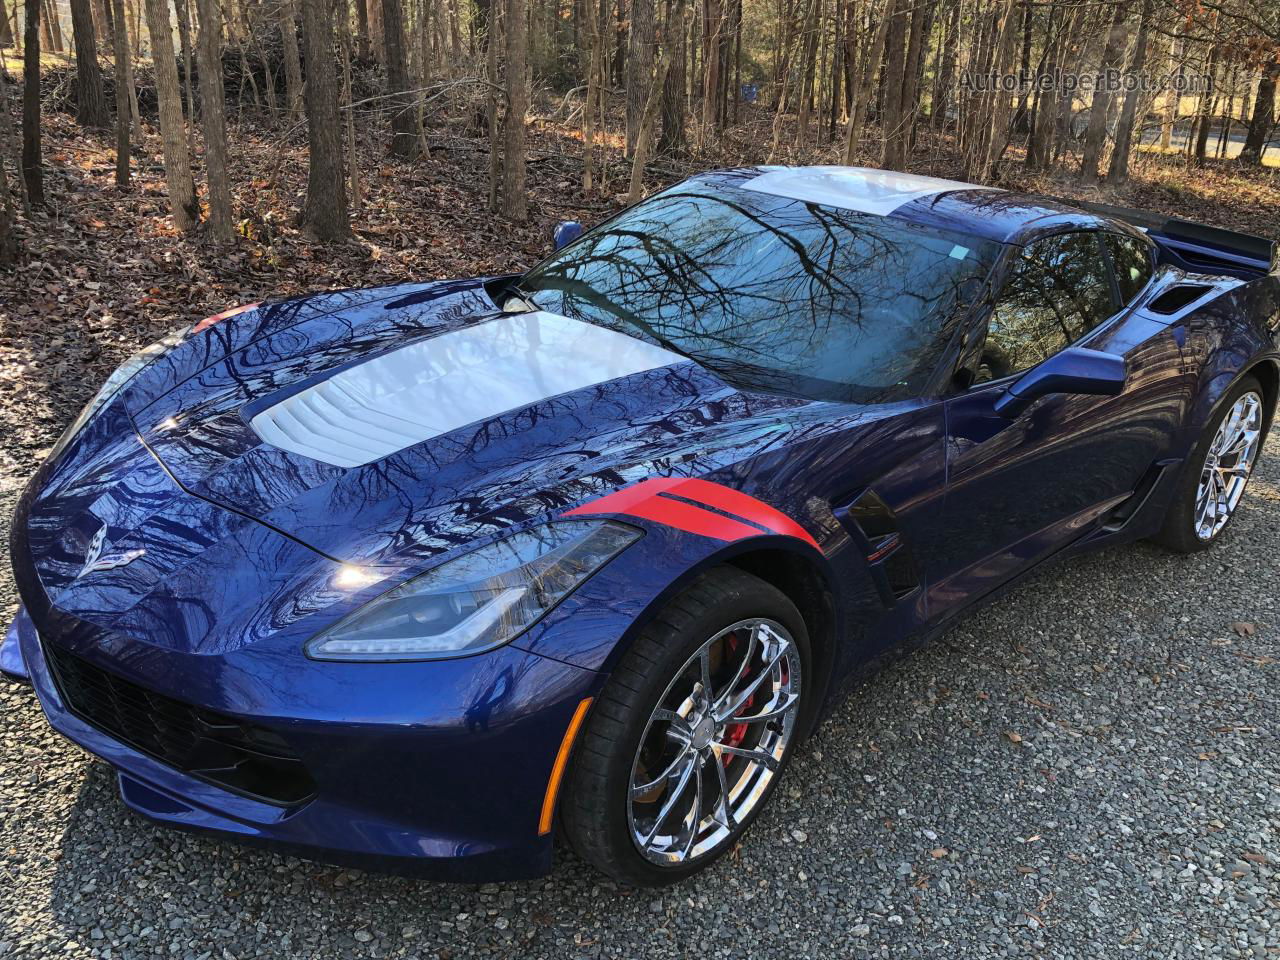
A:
(872, 522)
(1178, 298)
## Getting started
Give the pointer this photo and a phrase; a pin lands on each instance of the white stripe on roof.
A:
(854, 188)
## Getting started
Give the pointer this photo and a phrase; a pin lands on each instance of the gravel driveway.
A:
(1088, 768)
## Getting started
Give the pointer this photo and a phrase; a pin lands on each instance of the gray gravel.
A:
(1088, 768)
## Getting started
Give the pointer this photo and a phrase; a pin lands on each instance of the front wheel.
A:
(1217, 471)
(687, 740)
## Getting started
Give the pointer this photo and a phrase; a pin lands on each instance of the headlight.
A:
(129, 369)
(480, 600)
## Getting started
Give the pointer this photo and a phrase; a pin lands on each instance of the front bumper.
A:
(451, 790)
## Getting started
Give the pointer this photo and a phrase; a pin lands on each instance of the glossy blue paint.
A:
(235, 549)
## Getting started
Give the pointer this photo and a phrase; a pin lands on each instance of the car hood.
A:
(386, 427)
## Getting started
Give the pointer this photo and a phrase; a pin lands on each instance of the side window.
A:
(1132, 260)
(1058, 291)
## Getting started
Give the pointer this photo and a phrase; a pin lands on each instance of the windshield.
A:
(772, 293)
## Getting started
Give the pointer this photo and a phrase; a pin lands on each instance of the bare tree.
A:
(640, 49)
(32, 164)
(403, 129)
(1118, 171)
(644, 134)
(120, 36)
(1096, 133)
(892, 153)
(292, 64)
(184, 40)
(324, 214)
(212, 120)
(8, 219)
(177, 162)
(1262, 119)
(91, 103)
(514, 201)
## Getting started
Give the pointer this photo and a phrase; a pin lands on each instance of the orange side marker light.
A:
(557, 770)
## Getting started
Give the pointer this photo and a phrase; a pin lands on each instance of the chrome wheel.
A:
(714, 742)
(1227, 465)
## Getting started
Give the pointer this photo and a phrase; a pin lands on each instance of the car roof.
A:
(1005, 216)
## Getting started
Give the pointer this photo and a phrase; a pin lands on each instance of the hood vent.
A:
(374, 409)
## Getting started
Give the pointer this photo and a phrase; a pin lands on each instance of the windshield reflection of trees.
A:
(772, 293)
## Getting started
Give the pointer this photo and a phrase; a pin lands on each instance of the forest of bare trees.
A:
(983, 89)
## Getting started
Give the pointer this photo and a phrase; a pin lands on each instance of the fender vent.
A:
(1181, 296)
(870, 520)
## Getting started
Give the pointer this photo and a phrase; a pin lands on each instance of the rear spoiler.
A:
(1202, 248)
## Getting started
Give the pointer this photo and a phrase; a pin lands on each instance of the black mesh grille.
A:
(239, 756)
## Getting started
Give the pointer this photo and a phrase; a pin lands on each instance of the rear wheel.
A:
(687, 740)
(1217, 472)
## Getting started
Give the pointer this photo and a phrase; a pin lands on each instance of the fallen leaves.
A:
(1242, 629)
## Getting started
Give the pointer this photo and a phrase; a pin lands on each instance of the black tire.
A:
(1179, 530)
(595, 810)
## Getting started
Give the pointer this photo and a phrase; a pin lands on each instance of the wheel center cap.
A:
(703, 731)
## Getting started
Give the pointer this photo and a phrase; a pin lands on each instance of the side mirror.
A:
(1074, 370)
(565, 232)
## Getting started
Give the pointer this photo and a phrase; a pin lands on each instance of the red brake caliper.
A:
(735, 733)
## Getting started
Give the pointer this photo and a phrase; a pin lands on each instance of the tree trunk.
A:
(135, 33)
(55, 25)
(1204, 110)
(1002, 62)
(213, 122)
(674, 28)
(491, 25)
(403, 129)
(353, 159)
(292, 64)
(1262, 119)
(671, 142)
(362, 27)
(177, 162)
(6, 32)
(32, 164)
(8, 219)
(184, 39)
(1096, 133)
(946, 70)
(324, 215)
(892, 152)
(589, 105)
(862, 96)
(808, 67)
(640, 51)
(514, 201)
(921, 24)
(121, 43)
(1118, 171)
(91, 103)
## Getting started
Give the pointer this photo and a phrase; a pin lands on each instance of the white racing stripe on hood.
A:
(429, 388)
(854, 188)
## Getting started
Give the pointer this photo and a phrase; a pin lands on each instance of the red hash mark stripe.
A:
(652, 499)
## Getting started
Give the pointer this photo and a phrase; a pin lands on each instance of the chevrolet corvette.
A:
(426, 577)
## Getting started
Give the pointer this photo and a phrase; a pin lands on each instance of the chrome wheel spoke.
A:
(771, 713)
(755, 756)
(723, 812)
(640, 789)
(730, 703)
(673, 797)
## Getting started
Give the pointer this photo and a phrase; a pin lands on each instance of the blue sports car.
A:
(425, 576)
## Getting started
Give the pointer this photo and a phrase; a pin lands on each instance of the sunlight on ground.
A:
(1272, 159)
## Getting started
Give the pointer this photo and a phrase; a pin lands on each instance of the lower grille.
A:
(219, 749)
